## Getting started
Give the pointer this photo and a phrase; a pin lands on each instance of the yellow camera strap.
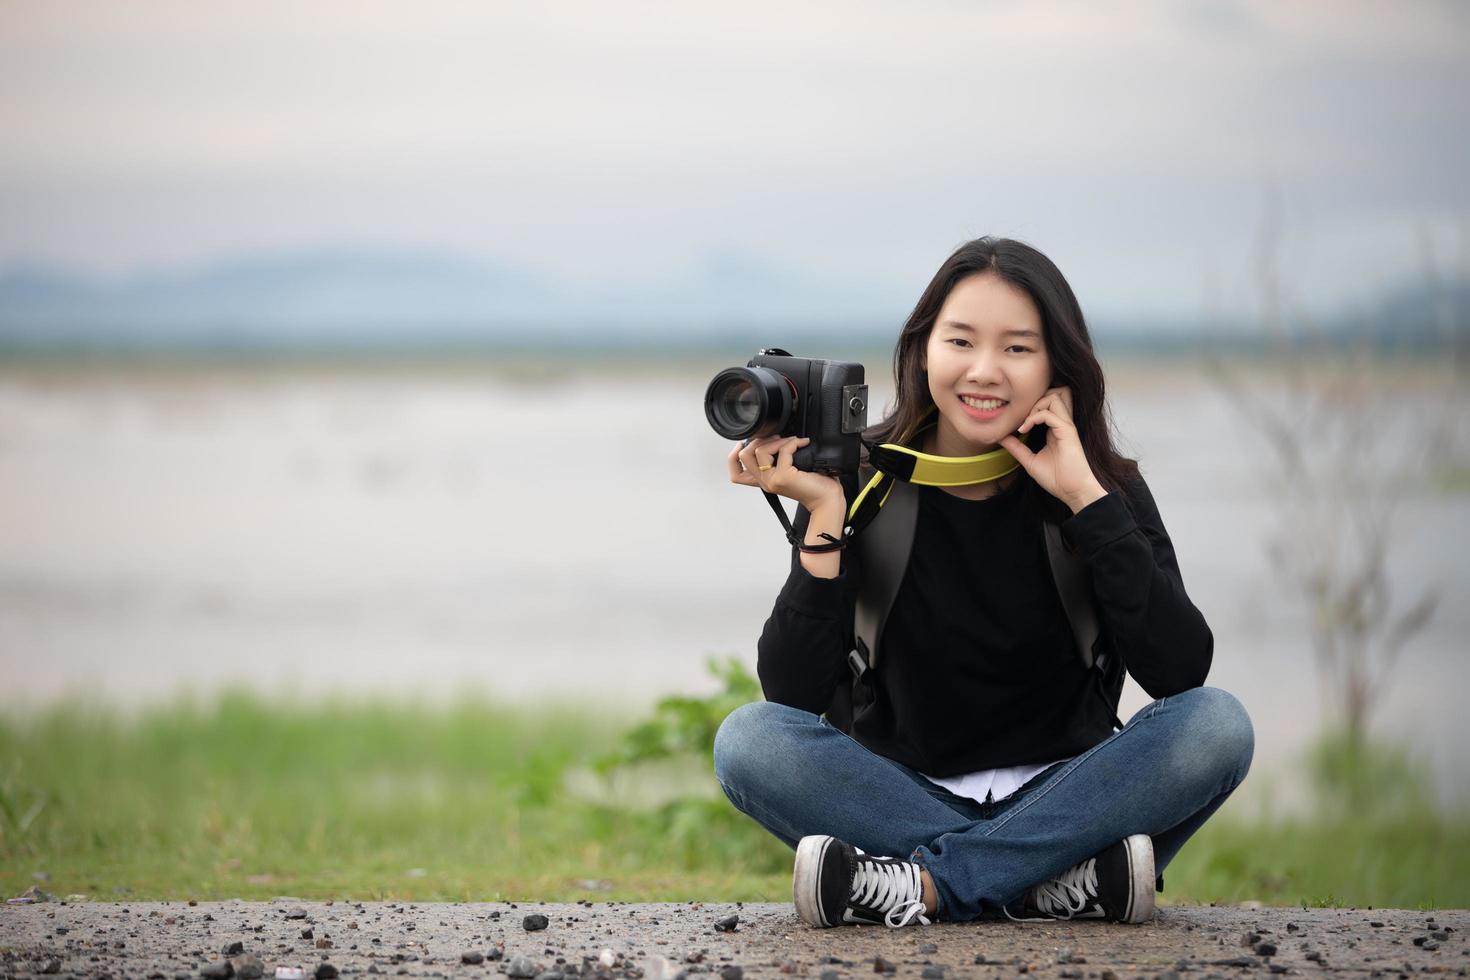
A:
(898, 462)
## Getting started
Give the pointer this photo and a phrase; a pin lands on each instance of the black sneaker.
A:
(1116, 885)
(835, 883)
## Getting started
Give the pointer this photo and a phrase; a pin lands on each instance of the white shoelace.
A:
(1064, 896)
(899, 883)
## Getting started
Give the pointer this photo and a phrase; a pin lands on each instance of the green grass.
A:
(480, 801)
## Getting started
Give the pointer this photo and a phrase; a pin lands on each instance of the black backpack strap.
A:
(1074, 585)
(884, 545)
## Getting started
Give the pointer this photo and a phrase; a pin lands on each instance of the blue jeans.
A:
(1162, 774)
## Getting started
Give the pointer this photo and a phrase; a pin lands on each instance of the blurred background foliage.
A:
(243, 797)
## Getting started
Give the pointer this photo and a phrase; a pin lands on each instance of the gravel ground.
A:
(660, 941)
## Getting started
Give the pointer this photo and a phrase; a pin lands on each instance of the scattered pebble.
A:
(1265, 949)
(928, 948)
(31, 896)
(732, 972)
(933, 972)
(296, 913)
(217, 971)
(325, 971)
(727, 924)
(231, 949)
(520, 968)
(535, 922)
(473, 956)
(248, 966)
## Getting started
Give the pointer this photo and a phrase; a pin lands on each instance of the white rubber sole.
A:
(1140, 849)
(806, 879)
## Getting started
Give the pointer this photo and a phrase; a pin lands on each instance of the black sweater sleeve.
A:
(802, 652)
(1163, 639)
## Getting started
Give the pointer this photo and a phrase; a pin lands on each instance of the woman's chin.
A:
(969, 442)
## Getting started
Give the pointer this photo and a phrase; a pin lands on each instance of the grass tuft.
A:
(251, 798)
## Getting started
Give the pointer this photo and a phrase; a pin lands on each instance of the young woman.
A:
(981, 747)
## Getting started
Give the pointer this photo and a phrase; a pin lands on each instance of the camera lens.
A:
(743, 403)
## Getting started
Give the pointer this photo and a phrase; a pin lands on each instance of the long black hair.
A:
(1068, 346)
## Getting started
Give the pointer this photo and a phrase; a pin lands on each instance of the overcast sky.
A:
(1138, 144)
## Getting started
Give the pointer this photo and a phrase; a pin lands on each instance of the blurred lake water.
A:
(527, 532)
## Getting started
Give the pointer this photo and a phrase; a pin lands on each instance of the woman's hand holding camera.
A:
(768, 463)
(1061, 466)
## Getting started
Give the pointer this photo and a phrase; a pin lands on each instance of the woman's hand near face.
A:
(1061, 467)
(768, 464)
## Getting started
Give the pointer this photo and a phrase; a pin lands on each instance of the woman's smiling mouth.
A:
(982, 409)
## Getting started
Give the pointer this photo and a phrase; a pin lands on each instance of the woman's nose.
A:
(983, 367)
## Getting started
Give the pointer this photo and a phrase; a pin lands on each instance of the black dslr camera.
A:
(776, 394)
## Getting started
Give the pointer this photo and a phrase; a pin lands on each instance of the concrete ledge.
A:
(659, 941)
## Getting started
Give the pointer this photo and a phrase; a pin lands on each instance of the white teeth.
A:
(984, 404)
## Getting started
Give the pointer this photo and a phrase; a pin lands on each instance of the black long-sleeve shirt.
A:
(979, 667)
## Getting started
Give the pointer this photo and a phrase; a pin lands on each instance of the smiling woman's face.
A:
(987, 363)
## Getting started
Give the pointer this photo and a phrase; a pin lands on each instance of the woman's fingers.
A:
(755, 455)
(737, 469)
(1058, 400)
(765, 463)
(785, 455)
(1047, 417)
(781, 465)
(1018, 449)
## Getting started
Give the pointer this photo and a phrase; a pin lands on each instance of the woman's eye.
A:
(1019, 348)
(959, 340)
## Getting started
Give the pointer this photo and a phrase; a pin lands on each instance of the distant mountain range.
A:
(334, 300)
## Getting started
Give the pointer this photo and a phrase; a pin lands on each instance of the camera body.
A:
(777, 394)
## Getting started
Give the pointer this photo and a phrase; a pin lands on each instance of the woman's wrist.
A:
(1093, 494)
(827, 516)
(832, 503)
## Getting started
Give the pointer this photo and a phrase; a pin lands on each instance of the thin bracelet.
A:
(834, 544)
